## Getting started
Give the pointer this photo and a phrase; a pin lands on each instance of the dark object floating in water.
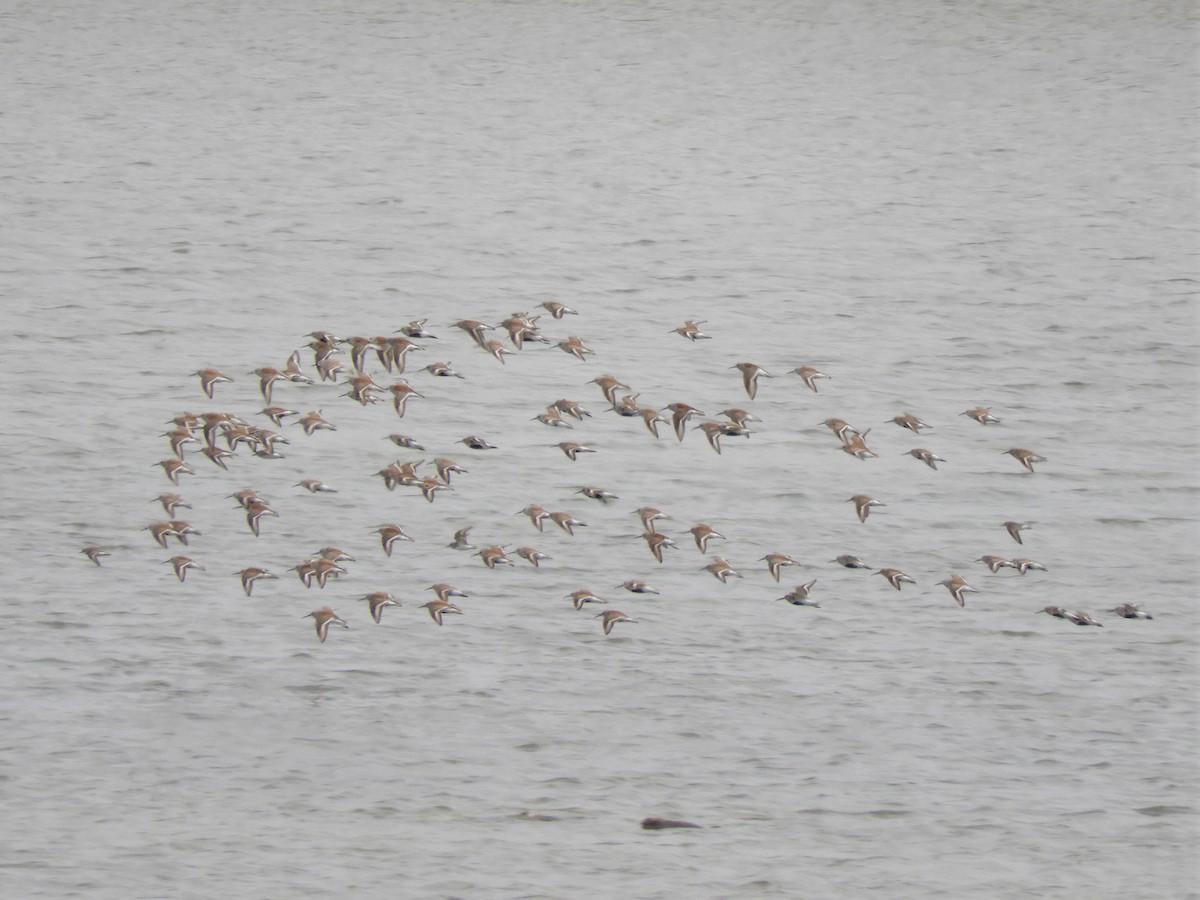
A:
(536, 817)
(654, 823)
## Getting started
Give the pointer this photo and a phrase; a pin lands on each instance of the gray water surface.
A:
(942, 206)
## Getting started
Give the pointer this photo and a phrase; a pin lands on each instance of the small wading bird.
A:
(323, 618)
(611, 617)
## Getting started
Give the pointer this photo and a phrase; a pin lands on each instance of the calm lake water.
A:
(940, 205)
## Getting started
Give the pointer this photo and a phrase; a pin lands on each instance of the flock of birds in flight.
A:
(205, 432)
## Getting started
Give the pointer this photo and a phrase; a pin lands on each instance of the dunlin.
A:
(611, 617)
(182, 529)
(553, 418)
(657, 542)
(323, 344)
(314, 421)
(217, 455)
(691, 330)
(571, 408)
(1057, 611)
(403, 440)
(799, 595)
(214, 422)
(174, 468)
(181, 564)
(840, 428)
(733, 429)
(95, 553)
(255, 510)
(336, 554)
(573, 449)
(721, 570)
(911, 422)
(1026, 565)
(460, 541)
(243, 497)
(703, 533)
(776, 561)
(653, 418)
(712, 432)
(293, 371)
(596, 493)
(637, 587)
(315, 486)
(277, 414)
(267, 376)
(494, 556)
(186, 420)
(360, 390)
(210, 378)
(533, 555)
(160, 531)
(930, 459)
(895, 577)
(236, 435)
(251, 574)
(537, 515)
(442, 370)
(1014, 530)
(583, 597)
(324, 569)
(862, 505)
(649, 515)
(957, 586)
(377, 601)
(1080, 618)
(444, 591)
(850, 561)
(430, 486)
(520, 328)
(609, 384)
(566, 522)
(680, 413)
(857, 447)
(750, 375)
(329, 369)
(497, 349)
(400, 474)
(416, 329)
(474, 329)
(304, 571)
(1025, 457)
(576, 347)
(1131, 611)
(810, 376)
(389, 534)
(171, 502)
(982, 415)
(401, 392)
(395, 350)
(477, 443)
(358, 351)
(327, 337)
(738, 416)
(323, 618)
(177, 438)
(447, 467)
(996, 563)
(627, 406)
(558, 310)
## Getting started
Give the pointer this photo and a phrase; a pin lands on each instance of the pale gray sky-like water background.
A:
(941, 205)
